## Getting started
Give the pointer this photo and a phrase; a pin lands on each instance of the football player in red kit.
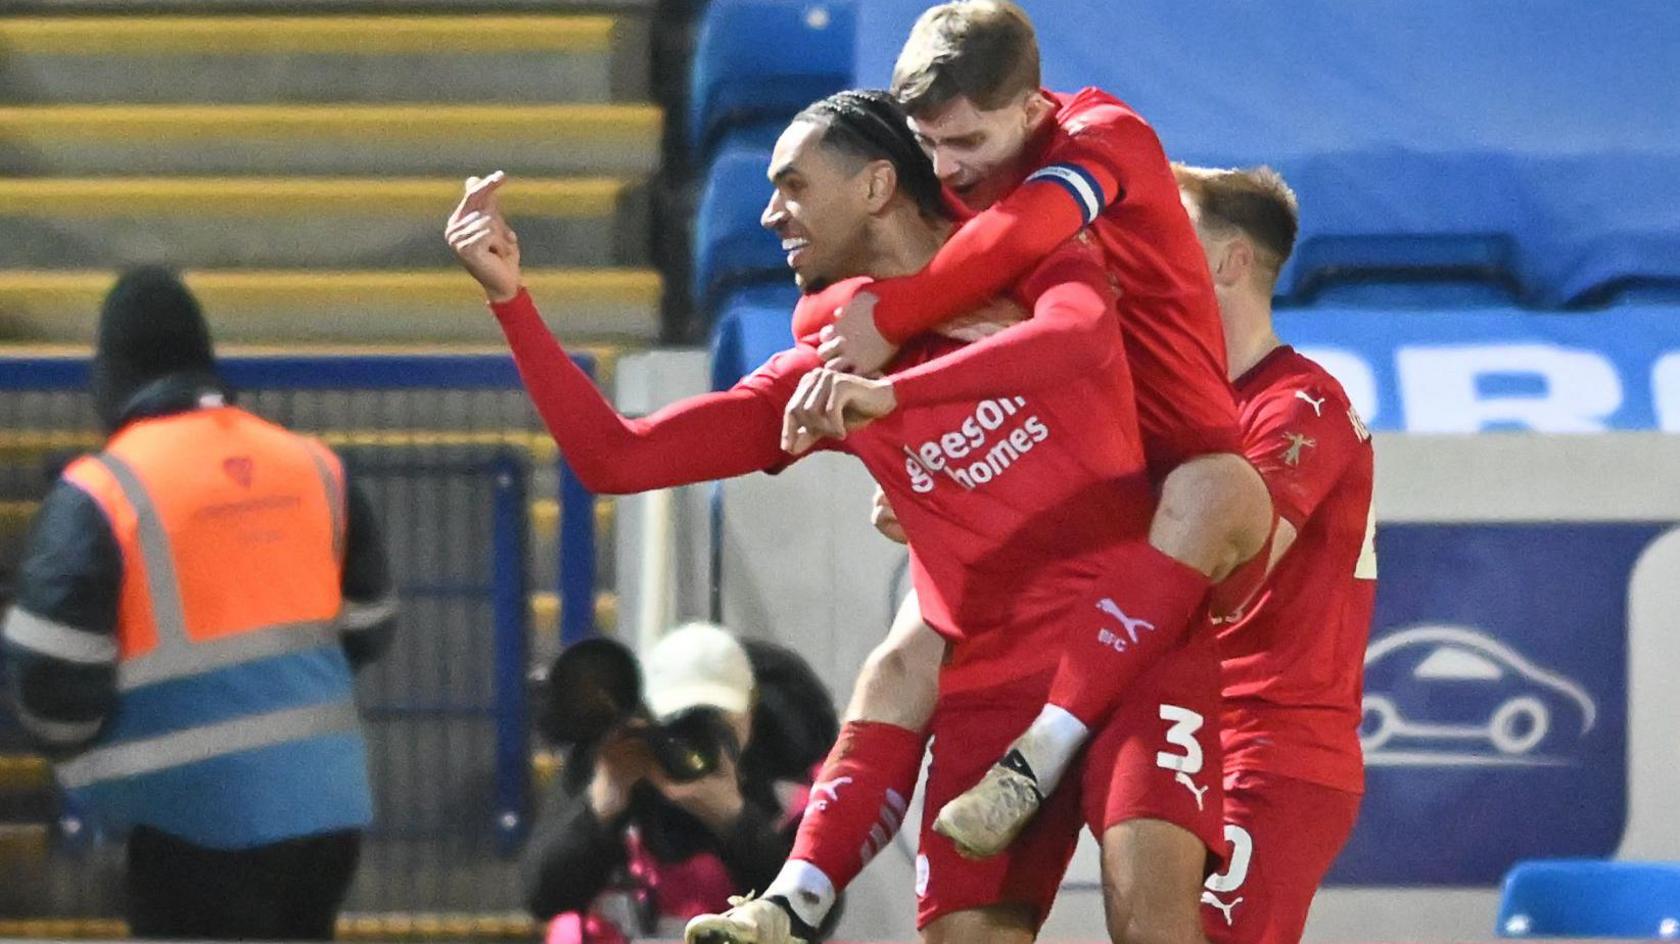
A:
(1015, 464)
(1292, 656)
(1045, 166)
(1292, 659)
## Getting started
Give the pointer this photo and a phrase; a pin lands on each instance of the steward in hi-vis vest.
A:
(189, 612)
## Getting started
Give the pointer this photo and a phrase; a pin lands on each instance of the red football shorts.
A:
(1159, 756)
(970, 731)
(1156, 758)
(1283, 836)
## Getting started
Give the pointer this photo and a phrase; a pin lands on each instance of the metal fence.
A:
(492, 542)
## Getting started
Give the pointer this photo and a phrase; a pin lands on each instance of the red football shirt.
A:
(1098, 167)
(1013, 476)
(1292, 662)
(1013, 462)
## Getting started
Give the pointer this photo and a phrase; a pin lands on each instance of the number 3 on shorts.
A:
(1182, 734)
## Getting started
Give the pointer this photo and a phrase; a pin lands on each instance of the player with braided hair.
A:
(1015, 466)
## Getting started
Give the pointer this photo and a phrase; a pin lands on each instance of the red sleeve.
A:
(712, 436)
(1072, 332)
(1301, 449)
(816, 311)
(1084, 174)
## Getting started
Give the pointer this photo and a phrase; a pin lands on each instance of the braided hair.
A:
(870, 126)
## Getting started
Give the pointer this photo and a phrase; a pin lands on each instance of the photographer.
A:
(692, 795)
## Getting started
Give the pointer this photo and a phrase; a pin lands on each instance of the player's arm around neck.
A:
(1073, 332)
(982, 259)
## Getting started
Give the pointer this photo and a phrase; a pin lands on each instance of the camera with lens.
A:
(595, 687)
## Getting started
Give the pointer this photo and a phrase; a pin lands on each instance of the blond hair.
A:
(1253, 201)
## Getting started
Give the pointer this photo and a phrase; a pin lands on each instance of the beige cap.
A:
(697, 664)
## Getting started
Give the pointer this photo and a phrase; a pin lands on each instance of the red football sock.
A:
(1137, 610)
(858, 802)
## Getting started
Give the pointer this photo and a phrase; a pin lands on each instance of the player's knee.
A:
(1142, 929)
(1157, 923)
(886, 668)
(1219, 511)
(1152, 883)
(994, 924)
(895, 688)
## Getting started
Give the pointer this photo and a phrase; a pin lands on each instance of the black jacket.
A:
(573, 855)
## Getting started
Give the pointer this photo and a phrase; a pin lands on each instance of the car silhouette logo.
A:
(1452, 696)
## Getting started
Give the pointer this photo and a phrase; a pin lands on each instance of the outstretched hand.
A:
(482, 240)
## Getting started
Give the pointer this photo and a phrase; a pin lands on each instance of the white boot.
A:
(986, 818)
(749, 920)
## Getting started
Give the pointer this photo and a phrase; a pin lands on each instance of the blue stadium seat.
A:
(1591, 898)
(1524, 142)
(730, 247)
(752, 326)
(757, 62)
(751, 136)
(1408, 289)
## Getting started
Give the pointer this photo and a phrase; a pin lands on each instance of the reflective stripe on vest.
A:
(177, 656)
(133, 758)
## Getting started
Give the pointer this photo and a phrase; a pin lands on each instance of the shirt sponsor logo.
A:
(991, 440)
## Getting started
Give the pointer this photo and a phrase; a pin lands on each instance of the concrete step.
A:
(23, 846)
(302, 222)
(451, 926)
(323, 58)
(24, 773)
(371, 140)
(14, 517)
(64, 929)
(413, 926)
(284, 305)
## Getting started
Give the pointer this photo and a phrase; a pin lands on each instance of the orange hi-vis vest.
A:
(235, 724)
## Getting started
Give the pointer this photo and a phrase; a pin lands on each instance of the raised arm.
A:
(699, 439)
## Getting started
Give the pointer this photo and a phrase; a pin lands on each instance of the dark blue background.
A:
(1557, 594)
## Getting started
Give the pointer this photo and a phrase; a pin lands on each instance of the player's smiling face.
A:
(974, 150)
(820, 209)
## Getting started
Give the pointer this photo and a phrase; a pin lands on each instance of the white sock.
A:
(806, 889)
(1050, 744)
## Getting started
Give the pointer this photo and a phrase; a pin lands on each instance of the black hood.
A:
(794, 723)
(150, 328)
